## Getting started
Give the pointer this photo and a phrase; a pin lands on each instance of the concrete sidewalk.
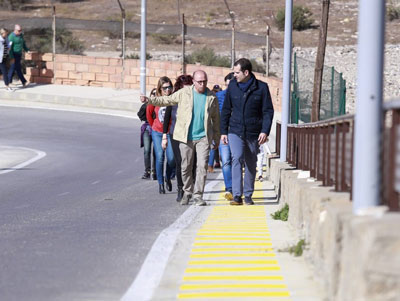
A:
(75, 96)
(235, 253)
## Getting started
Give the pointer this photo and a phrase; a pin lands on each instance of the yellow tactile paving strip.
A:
(232, 256)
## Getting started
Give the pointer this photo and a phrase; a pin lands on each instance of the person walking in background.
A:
(164, 88)
(224, 149)
(197, 125)
(246, 121)
(170, 116)
(214, 153)
(17, 44)
(146, 142)
(4, 49)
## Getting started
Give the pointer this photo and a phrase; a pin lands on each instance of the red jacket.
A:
(156, 123)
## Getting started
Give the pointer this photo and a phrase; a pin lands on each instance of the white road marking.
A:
(151, 272)
(119, 172)
(64, 193)
(96, 182)
(39, 155)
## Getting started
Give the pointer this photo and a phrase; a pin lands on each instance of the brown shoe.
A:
(210, 169)
(237, 201)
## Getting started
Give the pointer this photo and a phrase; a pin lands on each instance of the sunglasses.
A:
(166, 88)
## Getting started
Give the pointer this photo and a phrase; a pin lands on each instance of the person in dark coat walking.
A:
(246, 120)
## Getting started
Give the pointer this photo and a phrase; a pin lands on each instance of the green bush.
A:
(41, 40)
(301, 18)
(166, 39)
(206, 56)
(281, 214)
(393, 13)
(135, 56)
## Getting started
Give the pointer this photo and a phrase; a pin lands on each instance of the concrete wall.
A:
(107, 72)
(356, 257)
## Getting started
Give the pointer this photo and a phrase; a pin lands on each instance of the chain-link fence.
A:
(333, 92)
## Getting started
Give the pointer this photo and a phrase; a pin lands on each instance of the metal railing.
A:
(325, 148)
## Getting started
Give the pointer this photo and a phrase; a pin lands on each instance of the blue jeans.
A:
(160, 155)
(147, 141)
(244, 152)
(16, 67)
(226, 158)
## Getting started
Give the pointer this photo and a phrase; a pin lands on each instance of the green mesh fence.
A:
(333, 92)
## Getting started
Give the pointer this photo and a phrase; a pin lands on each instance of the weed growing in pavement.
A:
(301, 18)
(281, 214)
(297, 249)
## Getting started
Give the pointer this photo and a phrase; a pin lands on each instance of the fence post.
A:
(183, 44)
(332, 86)
(286, 77)
(123, 15)
(267, 53)
(368, 118)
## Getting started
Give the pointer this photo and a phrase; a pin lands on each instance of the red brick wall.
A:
(106, 72)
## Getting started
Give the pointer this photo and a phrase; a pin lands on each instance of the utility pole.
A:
(368, 119)
(183, 44)
(143, 48)
(232, 15)
(287, 63)
(267, 47)
(319, 63)
(123, 43)
(54, 43)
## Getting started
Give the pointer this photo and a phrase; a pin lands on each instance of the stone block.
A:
(115, 62)
(47, 57)
(134, 71)
(90, 60)
(108, 69)
(74, 75)
(101, 77)
(61, 74)
(76, 59)
(50, 65)
(130, 79)
(95, 68)
(102, 61)
(46, 73)
(89, 76)
(82, 67)
(68, 66)
(62, 58)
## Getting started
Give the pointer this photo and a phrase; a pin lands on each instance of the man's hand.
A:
(262, 138)
(144, 98)
(224, 139)
(164, 144)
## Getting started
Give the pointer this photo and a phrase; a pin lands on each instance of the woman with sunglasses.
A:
(164, 88)
(170, 115)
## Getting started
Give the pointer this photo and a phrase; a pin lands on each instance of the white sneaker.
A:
(260, 178)
(8, 89)
(200, 202)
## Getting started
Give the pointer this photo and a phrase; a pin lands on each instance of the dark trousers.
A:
(16, 66)
(178, 161)
(3, 68)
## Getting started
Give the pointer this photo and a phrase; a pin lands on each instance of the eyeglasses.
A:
(166, 88)
(203, 82)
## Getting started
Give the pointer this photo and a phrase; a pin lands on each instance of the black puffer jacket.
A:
(247, 114)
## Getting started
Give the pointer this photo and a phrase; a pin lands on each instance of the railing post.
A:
(286, 77)
(143, 48)
(368, 118)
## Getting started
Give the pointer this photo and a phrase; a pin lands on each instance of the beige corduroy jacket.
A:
(184, 99)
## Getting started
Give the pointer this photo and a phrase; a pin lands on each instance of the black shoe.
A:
(248, 200)
(180, 194)
(237, 201)
(146, 175)
(161, 189)
(168, 184)
(154, 176)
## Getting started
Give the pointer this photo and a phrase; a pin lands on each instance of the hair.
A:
(3, 30)
(153, 92)
(229, 76)
(216, 88)
(162, 81)
(183, 80)
(245, 64)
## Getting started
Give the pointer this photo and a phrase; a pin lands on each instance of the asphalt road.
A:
(78, 223)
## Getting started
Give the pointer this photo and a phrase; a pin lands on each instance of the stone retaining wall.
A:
(107, 72)
(356, 257)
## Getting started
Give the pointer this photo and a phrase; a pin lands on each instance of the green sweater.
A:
(17, 44)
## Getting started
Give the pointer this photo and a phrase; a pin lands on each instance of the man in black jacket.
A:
(246, 120)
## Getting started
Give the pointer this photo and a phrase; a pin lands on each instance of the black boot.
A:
(180, 194)
(161, 189)
(168, 184)
(146, 175)
(154, 176)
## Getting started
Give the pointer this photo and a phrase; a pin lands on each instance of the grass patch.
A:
(135, 56)
(165, 39)
(297, 249)
(206, 56)
(281, 214)
(393, 12)
(301, 19)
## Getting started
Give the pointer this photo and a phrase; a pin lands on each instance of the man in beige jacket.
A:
(197, 129)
